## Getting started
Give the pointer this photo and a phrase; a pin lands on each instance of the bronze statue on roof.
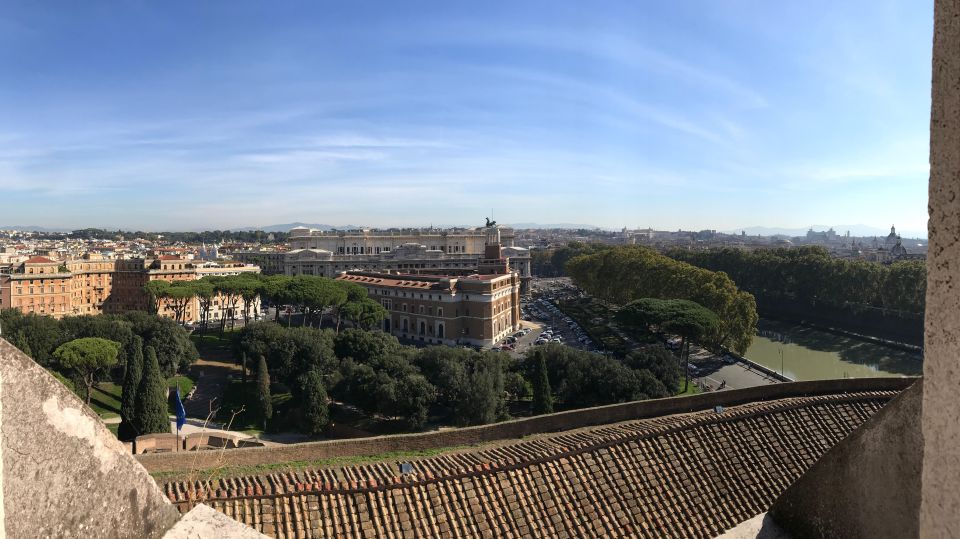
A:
(490, 223)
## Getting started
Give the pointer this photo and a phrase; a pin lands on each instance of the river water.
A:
(809, 354)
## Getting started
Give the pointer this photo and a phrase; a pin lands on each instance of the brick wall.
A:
(518, 428)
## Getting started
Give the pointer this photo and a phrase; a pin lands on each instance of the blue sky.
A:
(713, 114)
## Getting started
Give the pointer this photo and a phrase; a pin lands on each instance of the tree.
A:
(624, 274)
(542, 397)
(86, 358)
(313, 407)
(157, 291)
(413, 398)
(265, 407)
(151, 403)
(204, 291)
(171, 342)
(660, 362)
(20, 341)
(690, 320)
(481, 398)
(128, 397)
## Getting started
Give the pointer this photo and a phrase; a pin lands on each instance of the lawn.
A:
(105, 398)
(232, 471)
(242, 396)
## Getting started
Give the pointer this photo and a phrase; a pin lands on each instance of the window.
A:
(439, 311)
(421, 309)
(440, 331)
(423, 328)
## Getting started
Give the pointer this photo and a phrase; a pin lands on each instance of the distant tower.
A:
(493, 261)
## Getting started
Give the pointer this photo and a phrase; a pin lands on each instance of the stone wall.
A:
(940, 505)
(173, 462)
(63, 473)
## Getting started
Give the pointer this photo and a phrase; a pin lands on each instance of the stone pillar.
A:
(940, 499)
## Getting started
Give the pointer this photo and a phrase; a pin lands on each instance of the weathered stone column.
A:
(940, 500)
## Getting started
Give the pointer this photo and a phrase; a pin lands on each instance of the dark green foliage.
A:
(106, 327)
(131, 383)
(413, 399)
(265, 408)
(468, 382)
(516, 385)
(364, 346)
(542, 395)
(481, 398)
(809, 275)
(553, 262)
(207, 236)
(661, 363)
(20, 341)
(582, 379)
(41, 334)
(151, 402)
(313, 396)
(86, 358)
(624, 274)
(171, 342)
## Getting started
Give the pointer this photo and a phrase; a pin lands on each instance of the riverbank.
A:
(839, 331)
(803, 352)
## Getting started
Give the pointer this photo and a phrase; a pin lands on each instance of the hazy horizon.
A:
(184, 116)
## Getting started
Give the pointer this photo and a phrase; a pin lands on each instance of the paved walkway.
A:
(211, 376)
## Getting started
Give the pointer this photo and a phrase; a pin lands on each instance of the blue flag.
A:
(181, 413)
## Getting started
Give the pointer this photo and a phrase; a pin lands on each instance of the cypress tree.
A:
(128, 398)
(314, 403)
(151, 402)
(542, 395)
(20, 341)
(263, 392)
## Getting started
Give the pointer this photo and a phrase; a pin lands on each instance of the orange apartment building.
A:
(479, 309)
(95, 285)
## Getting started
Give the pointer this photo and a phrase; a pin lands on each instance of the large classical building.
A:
(456, 252)
(477, 309)
(96, 285)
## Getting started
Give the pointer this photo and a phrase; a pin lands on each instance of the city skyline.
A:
(186, 117)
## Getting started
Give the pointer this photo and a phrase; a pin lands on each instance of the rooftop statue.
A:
(490, 223)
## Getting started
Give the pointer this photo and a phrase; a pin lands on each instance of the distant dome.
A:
(892, 237)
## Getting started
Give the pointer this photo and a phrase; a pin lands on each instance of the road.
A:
(713, 372)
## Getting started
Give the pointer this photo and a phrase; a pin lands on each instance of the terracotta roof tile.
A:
(689, 475)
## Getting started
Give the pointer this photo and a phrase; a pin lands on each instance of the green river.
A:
(810, 354)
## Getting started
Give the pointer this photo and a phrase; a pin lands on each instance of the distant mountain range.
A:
(565, 226)
(33, 228)
(855, 230)
(287, 226)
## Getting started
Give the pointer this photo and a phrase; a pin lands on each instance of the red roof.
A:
(39, 260)
(169, 257)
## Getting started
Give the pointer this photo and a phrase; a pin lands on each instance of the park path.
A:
(211, 375)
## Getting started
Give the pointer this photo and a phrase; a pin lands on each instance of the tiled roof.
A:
(39, 260)
(688, 475)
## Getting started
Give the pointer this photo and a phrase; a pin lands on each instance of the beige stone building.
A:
(478, 309)
(414, 252)
(95, 285)
(369, 242)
